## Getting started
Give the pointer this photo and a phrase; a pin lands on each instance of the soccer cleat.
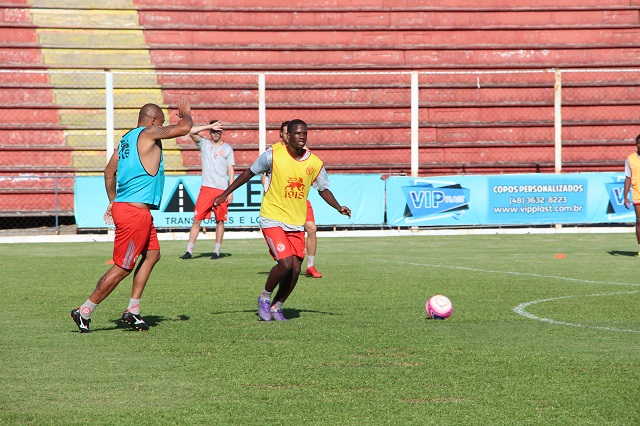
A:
(264, 309)
(278, 315)
(215, 256)
(313, 272)
(187, 255)
(135, 321)
(83, 324)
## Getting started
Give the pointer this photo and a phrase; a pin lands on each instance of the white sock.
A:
(277, 306)
(310, 260)
(134, 306)
(190, 247)
(87, 308)
(266, 295)
(217, 250)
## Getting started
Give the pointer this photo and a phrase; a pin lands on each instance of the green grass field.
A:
(533, 340)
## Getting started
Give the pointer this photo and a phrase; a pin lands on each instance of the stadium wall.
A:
(445, 201)
(479, 113)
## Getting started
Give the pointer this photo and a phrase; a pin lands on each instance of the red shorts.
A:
(204, 205)
(135, 234)
(310, 217)
(284, 243)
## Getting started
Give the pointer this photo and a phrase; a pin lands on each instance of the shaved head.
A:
(148, 112)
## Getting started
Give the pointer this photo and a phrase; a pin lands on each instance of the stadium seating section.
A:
(472, 120)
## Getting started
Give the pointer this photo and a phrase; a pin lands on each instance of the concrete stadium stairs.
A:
(463, 129)
(55, 117)
(469, 123)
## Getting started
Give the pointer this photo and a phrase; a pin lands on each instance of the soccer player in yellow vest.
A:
(293, 170)
(310, 222)
(632, 181)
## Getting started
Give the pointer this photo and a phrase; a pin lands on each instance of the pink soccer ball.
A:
(439, 307)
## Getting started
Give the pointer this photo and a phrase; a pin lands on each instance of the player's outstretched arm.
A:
(328, 196)
(237, 183)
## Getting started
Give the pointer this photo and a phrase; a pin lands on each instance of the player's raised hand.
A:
(184, 108)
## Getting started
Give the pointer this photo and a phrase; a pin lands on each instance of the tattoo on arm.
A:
(158, 132)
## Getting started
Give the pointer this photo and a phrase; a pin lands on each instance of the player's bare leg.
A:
(290, 279)
(143, 271)
(636, 207)
(193, 235)
(277, 275)
(219, 236)
(140, 277)
(312, 242)
(107, 283)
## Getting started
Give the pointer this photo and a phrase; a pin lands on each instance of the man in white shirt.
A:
(217, 175)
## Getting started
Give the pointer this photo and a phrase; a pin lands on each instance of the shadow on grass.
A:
(222, 255)
(207, 256)
(302, 274)
(152, 320)
(288, 313)
(623, 253)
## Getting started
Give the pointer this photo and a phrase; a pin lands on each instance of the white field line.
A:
(521, 308)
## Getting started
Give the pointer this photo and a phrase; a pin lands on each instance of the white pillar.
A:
(415, 123)
(262, 114)
(557, 125)
(109, 113)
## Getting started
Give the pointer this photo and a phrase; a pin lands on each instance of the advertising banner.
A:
(363, 194)
(526, 199)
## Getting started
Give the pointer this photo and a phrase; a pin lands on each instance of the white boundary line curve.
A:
(521, 308)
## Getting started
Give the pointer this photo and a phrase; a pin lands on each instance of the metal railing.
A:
(60, 123)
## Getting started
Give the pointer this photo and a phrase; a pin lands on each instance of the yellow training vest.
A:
(634, 165)
(286, 199)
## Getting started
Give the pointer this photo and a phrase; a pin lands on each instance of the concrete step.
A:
(84, 18)
(331, 19)
(91, 39)
(378, 40)
(392, 59)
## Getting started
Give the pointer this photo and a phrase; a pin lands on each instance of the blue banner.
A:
(530, 199)
(363, 194)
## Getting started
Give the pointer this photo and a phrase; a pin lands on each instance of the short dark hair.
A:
(294, 123)
(284, 125)
(637, 138)
(214, 131)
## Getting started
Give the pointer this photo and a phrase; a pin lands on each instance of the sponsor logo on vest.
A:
(295, 188)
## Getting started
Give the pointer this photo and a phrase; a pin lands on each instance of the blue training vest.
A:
(135, 184)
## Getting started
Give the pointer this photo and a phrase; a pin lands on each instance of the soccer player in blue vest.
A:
(137, 167)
